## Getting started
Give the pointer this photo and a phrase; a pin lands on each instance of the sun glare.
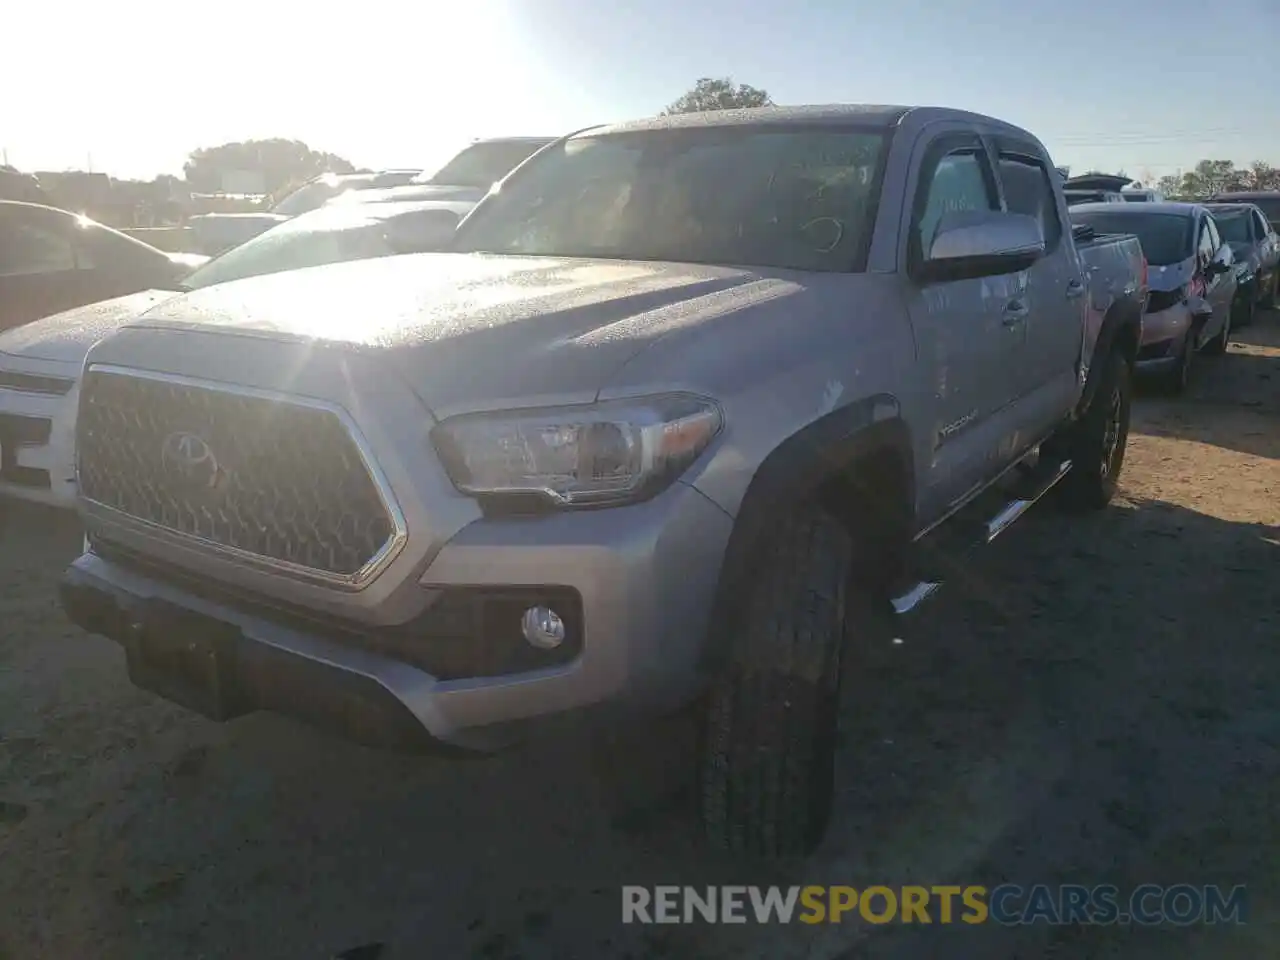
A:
(384, 83)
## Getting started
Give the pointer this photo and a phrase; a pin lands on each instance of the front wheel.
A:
(1098, 440)
(769, 741)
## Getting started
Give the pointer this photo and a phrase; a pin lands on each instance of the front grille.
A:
(278, 479)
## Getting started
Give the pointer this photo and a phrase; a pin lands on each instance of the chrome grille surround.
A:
(332, 519)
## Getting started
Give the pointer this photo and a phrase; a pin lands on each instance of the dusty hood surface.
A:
(66, 337)
(475, 328)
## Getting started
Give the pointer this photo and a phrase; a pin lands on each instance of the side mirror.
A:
(1221, 262)
(981, 243)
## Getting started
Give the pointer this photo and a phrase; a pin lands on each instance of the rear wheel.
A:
(1097, 442)
(769, 742)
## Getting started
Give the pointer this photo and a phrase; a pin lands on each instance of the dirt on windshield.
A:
(1097, 702)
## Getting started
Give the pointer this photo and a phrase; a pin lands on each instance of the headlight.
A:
(605, 453)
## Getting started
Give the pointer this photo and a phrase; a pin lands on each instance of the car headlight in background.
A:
(590, 455)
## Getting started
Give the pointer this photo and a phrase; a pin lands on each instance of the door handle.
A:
(1015, 312)
(1075, 289)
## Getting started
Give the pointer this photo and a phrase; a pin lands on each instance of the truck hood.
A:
(66, 337)
(472, 330)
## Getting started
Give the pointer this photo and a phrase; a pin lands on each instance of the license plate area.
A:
(188, 658)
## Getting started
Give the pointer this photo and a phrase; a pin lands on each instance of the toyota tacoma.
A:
(686, 409)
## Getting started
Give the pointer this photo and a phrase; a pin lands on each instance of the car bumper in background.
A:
(38, 401)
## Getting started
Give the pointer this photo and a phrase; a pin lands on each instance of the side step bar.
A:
(916, 593)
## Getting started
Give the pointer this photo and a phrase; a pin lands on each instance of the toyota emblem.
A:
(189, 461)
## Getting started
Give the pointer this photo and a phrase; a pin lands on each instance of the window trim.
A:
(941, 147)
(1011, 150)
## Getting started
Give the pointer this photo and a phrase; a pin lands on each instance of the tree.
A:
(719, 93)
(278, 162)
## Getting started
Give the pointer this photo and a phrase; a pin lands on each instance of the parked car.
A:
(1095, 188)
(40, 362)
(218, 232)
(687, 409)
(467, 176)
(52, 260)
(1268, 201)
(1192, 281)
(482, 163)
(1137, 195)
(1257, 251)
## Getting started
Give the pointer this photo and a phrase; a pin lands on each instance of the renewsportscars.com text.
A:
(1008, 904)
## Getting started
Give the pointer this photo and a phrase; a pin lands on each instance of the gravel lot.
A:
(1096, 702)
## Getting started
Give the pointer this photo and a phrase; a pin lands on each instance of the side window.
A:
(1028, 190)
(958, 182)
(28, 248)
(1260, 226)
(1205, 247)
(1215, 238)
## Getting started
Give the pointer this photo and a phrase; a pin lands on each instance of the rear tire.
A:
(1097, 442)
(768, 750)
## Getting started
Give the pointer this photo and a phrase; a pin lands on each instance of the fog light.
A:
(543, 628)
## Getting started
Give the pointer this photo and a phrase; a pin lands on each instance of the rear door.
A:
(968, 347)
(1052, 294)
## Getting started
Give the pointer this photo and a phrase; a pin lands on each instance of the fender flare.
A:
(1123, 321)
(797, 469)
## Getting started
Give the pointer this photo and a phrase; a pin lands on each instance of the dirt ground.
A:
(1097, 702)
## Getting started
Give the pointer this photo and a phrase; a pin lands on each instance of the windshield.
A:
(1233, 225)
(1165, 237)
(790, 198)
(484, 164)
(1270, 206)
(331, 235)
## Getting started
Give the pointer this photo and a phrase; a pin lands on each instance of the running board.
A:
(916, 593)
(1003, 520)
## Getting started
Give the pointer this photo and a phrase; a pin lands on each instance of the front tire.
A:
(768, 749)
(1098, 440)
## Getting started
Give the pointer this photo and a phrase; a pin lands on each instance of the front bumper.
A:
(37, 431)
(643, 577)
(1163, 334)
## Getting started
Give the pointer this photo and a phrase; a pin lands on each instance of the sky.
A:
(130, 87)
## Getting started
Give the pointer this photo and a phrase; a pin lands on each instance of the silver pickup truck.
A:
(682, 422)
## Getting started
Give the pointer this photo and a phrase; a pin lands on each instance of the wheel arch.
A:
(1122, 330)
(857, 463)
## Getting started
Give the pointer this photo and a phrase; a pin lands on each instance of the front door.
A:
(968, 339)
